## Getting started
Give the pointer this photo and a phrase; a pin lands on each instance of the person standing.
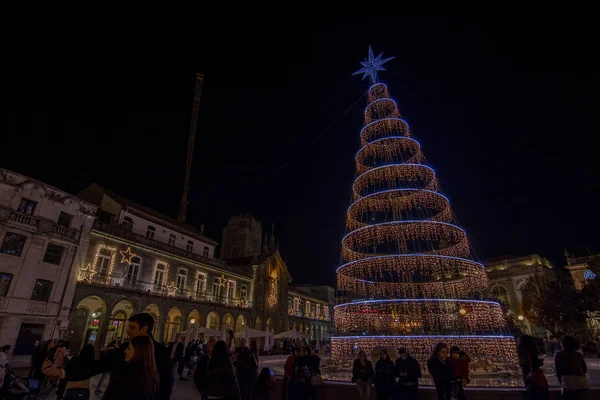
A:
(384, 376)
(571, 370)
(264, 384)
(230, 342)
(201, 374)
(530, 362)
(288, 370)
(105, 353)
(80, 390)
(459, 361)
(136, 378)
(244, 368)
(407, 371)
(362, 375)
(176, 351)
(441, 371)
(222, 382)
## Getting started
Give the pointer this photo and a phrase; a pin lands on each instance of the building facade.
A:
(241, 238)
(578, 266)
(507, 276)
(44, 235)
(141, 261)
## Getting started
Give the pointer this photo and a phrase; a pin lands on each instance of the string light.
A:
(127, 255)
(166, 273)
(272, 299)
(404, 251)
(171, 289)
(112, 250)
(222, 280)
(86, 273)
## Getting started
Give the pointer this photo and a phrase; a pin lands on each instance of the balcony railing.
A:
(43, 224)
(39, 307)
(124, 283)
(125, 233)
(301, 314)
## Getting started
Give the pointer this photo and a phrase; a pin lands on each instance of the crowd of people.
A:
(144, 369)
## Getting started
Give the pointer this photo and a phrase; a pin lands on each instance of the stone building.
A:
(578, 266)
(44, 234)
(508, 274)
(140, 260)
(241, 238)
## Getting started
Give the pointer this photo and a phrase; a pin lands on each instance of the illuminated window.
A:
(244, 292)
(27, 206)
(181, 279)
(201, 285)
(159, 274)
(13, 244)
(104, 257)
(216, 289)
(133, 270)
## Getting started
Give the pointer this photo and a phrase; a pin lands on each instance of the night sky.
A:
(505, 112)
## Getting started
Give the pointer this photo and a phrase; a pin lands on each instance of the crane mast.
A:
(188, 166)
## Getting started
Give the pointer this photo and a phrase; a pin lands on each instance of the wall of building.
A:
(242, 237)
(27, 314)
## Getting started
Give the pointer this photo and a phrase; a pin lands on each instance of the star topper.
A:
(371, 65)
(86, 273)
(172, 288)
(127, 256)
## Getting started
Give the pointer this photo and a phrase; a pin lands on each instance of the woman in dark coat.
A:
(222, 381)
(441, 371)
(384, 376)
(362, 375)
(529, 360)
(136, 378)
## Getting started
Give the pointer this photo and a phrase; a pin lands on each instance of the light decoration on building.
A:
(589, 275)
(244, 303)
(201, 290)
(86, 273)
(404, 250)
(126, 256)
(166, 273)
(111, 265)
(171, 289)
(273, 296)
(222, 280)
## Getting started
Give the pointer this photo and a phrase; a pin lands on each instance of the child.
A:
(459, 361)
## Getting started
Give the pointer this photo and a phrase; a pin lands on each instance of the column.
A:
(102, 331)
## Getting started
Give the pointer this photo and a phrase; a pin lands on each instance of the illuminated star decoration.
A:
(127, 256)
(589, 275)
(172, 288)
(86, 273)
(371, 65)
(222, 280)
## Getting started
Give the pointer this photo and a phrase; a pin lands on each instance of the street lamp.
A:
(521, 318)
(192, 321)
(462, 311)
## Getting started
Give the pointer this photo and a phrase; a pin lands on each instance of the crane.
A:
(188, 166)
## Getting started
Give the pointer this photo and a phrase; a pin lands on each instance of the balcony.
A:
(134, 285)
(300, 314)
(37, 307)
(44, 225)
(125, 232)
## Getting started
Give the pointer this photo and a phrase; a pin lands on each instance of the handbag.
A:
(536, 377)
(574, 382)
(316, 380)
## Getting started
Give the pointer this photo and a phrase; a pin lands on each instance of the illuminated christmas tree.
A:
(407, 267)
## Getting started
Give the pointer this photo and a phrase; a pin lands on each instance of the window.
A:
(26, 206)
(307, 310)
(41, 290)
(318, 310)
(201, 285)
(159, 274)
(205, 251)
(13, 244)
(172, 239)
(133, 270)
(231, 289)
(501, 294)
(181, 279)
(105, 217)
(53, 254)
(5, 280)
(290, 304)
(150, 231)
(104, 257)
(190, 246)
(64, 220)
(28, 335)
(244, 292)
(296, 304)
(216, 289)
(127, 221)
